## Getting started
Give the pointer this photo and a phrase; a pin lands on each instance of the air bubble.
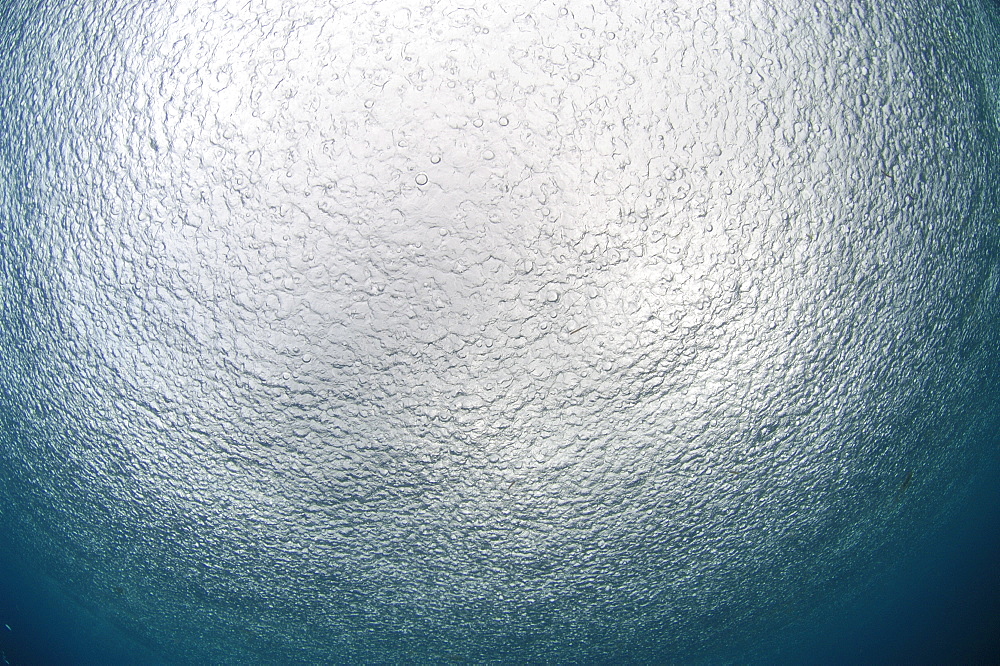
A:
(435, 159)
(503, 121)
(478, 122)
(488, 155)
(421, 179)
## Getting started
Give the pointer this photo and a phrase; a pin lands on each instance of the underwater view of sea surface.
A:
(558, 332)
(942, 606)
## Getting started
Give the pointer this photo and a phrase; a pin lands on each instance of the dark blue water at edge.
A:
(941, 606)
(48, 628)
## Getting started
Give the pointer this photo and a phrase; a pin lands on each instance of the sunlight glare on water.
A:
(538, 333)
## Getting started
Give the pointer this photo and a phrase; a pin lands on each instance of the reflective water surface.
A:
(562, 332)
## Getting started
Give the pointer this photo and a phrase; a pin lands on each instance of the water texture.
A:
(547, 333)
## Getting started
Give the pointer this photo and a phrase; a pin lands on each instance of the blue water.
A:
(941, 605)
(39, 625)
(938, 603)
